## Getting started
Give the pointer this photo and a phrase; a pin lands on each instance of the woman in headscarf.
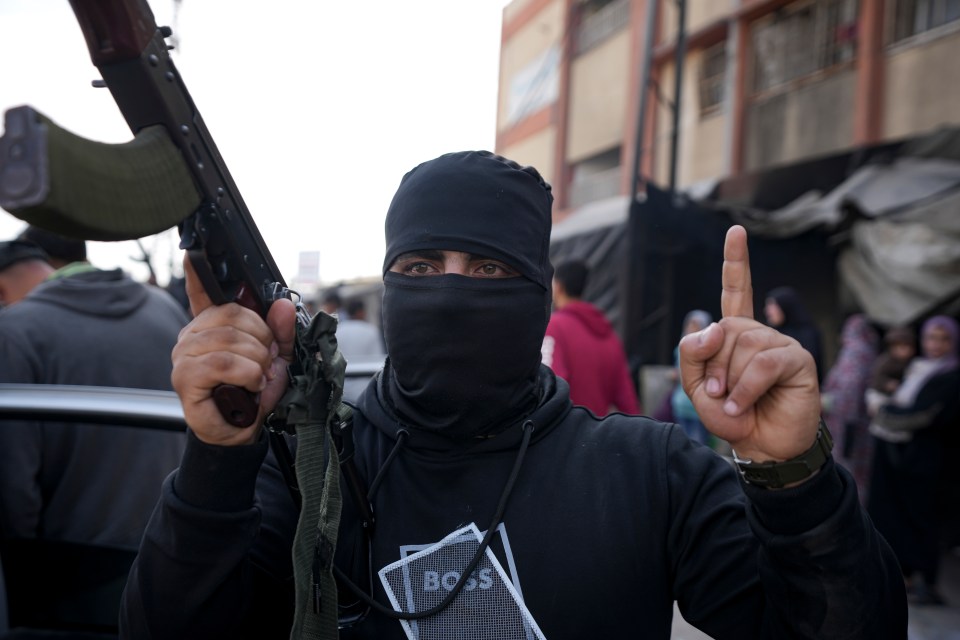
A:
(910, 431)
(891, 365)
(786, 312)
(842, 395)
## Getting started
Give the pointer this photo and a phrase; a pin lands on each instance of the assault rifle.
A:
(171, 174)
(222, 242)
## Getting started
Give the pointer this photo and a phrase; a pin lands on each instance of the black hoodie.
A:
(610, 521)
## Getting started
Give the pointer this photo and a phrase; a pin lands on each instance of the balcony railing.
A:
(598, 186)
(599, 26)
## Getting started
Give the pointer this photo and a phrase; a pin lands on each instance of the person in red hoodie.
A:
(582, 348)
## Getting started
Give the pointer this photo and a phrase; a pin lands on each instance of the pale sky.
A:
(318, 108)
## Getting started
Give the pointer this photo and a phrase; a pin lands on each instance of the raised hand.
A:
(229, 344)
(750, 384)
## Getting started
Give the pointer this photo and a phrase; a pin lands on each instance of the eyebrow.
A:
(428, 254)
(436, 254)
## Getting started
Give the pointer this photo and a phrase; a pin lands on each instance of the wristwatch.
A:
(776, 475)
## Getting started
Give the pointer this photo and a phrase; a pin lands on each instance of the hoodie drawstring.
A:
(477, 557)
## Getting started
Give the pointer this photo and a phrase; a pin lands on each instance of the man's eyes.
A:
(494, 270)
(475, 268)
(420, 268)
(491, 269)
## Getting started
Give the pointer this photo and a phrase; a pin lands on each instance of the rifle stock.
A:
(221, 239)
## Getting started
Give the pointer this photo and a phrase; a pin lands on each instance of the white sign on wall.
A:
(309, 270)
(535, 86)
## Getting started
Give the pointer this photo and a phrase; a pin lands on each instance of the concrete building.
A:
(793, 89)
(765, 83)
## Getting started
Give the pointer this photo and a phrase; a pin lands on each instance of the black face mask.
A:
(464, 352)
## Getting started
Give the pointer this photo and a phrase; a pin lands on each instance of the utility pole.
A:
(652, 6)
(636, 282)
(680, 52)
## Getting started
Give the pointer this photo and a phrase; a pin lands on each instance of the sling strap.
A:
(311, 406)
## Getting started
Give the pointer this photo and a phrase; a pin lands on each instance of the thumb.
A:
(282, 320)
(696, 350)
(199, 300)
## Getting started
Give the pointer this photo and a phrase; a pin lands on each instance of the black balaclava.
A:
(464, 352)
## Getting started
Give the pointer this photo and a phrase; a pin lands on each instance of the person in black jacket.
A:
(596, 526)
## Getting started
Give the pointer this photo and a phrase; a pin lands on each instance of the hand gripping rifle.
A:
(171, 173)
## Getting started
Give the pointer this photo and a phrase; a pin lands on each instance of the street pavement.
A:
(925, 623)
(940, 623)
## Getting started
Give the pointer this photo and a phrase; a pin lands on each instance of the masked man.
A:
(551, 522)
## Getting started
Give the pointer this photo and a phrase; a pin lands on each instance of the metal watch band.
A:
(776, 475)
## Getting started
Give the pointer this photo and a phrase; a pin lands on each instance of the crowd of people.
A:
(502, 444)
(911, 492)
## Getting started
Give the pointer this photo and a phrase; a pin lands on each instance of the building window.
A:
(600, 19)
(595, 178)
(713, 73)
(802, 38)
(911, 17)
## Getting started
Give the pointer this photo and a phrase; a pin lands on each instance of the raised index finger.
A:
(737, 296)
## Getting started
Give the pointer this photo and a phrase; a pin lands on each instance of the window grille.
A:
(600, 19)
(595, 178)
(911, 17)
(801, 39)
(713, 73)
